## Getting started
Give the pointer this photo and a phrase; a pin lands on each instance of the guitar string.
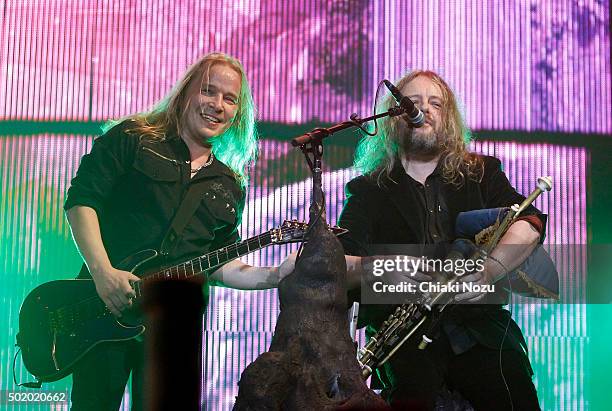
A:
(205, 256)
(284, 231)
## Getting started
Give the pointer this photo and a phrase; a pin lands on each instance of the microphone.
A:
(416, 118)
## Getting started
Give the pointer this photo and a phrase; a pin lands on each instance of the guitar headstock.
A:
(292, 231)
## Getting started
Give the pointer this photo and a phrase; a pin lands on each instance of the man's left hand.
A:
(287, 266)
(476, 278)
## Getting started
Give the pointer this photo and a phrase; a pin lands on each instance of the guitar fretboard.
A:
(209, 261)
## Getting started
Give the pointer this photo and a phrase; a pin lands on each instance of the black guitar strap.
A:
(186, 210)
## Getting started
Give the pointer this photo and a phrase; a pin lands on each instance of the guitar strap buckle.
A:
(169, 242)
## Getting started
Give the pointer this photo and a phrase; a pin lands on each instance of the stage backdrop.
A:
(520, 69)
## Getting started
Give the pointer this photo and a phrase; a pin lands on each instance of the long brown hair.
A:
(236, 147)
(377, 155)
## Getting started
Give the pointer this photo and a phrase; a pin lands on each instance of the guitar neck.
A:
(212, 259)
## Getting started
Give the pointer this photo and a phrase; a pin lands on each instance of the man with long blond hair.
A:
(200, 137)
(415, 182)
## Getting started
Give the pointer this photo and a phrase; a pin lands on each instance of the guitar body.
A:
(60, 321)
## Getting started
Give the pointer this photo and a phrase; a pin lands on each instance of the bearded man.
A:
(415, 182)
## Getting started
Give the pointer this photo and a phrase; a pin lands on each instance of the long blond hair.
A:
(236, 147)
(377, 155)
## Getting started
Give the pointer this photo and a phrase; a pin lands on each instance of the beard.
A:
(424, 143)
(421, 142)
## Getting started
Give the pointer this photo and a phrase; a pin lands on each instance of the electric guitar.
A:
(60, 321)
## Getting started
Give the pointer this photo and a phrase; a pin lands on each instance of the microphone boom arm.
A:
(320, 133)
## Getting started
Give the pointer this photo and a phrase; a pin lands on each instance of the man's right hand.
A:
(114, 288)
(364, 269)
(413, 270)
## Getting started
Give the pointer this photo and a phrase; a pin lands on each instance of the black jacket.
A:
(386, 212)
(136, 187)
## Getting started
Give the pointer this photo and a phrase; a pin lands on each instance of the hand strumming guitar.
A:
(114, 288)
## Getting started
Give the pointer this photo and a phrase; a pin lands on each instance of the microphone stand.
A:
(311, 145)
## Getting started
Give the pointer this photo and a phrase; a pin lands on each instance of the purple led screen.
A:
(515, 64)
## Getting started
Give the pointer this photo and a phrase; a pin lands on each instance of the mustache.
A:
(402, 122)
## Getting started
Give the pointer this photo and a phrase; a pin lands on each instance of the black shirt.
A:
(436, 224)
(136, 187)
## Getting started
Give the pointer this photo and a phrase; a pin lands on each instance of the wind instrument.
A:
(408, 317)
